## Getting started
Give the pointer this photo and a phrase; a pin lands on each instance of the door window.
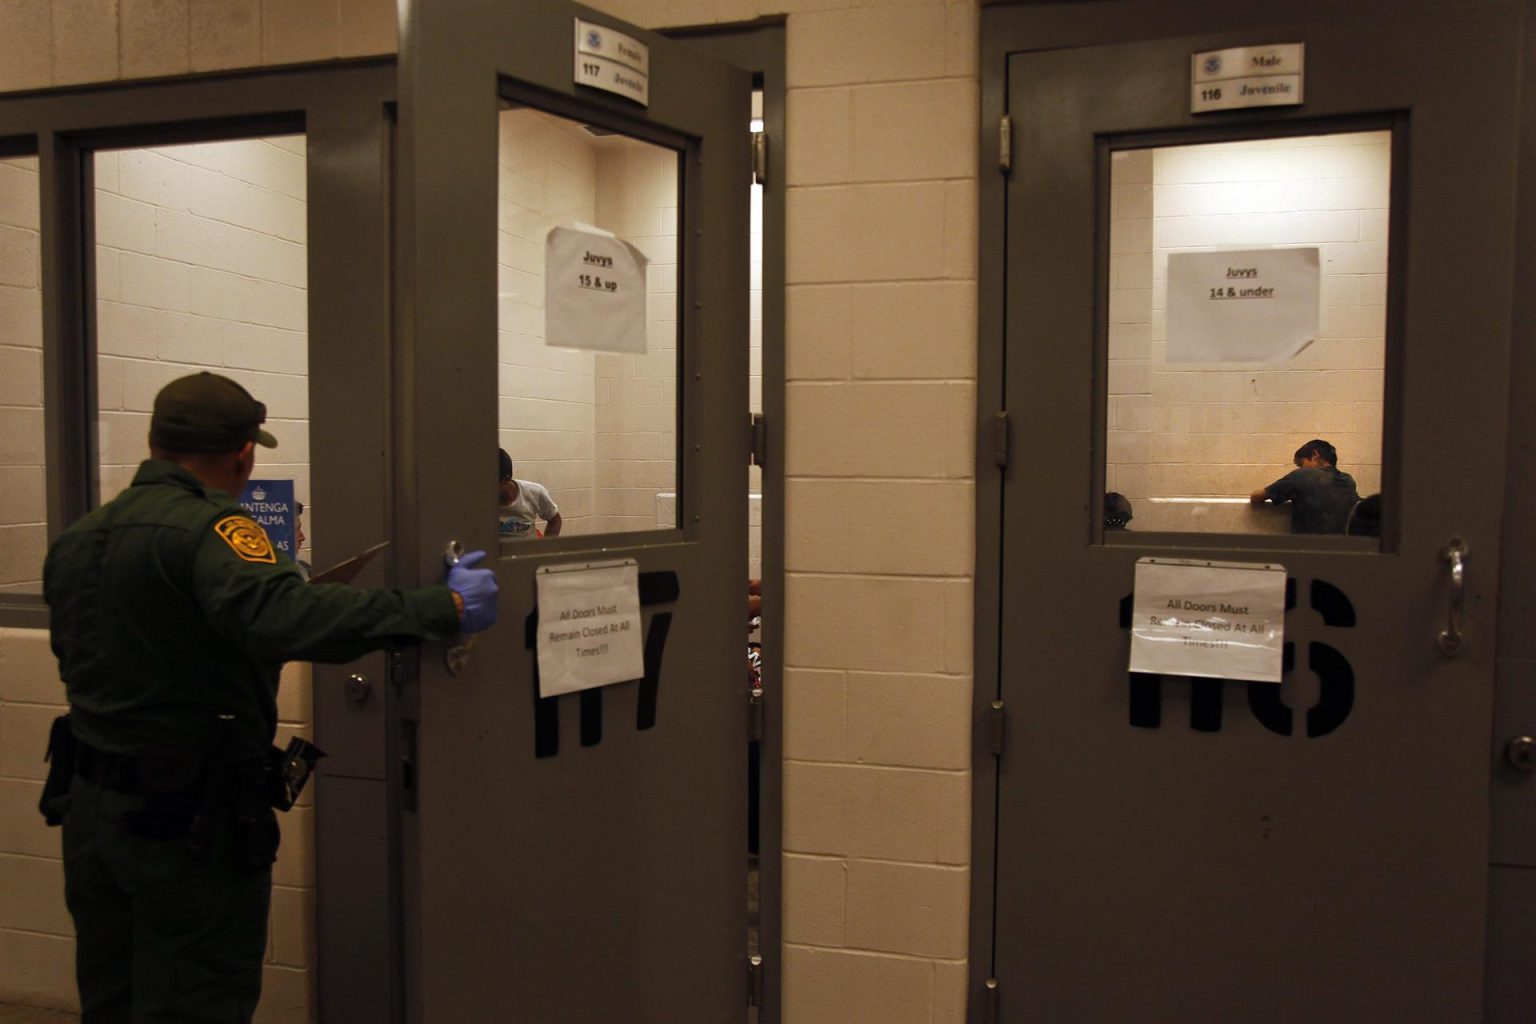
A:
(587, 322)
(1247, 302)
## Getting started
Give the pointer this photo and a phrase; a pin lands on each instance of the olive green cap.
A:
(207, 413)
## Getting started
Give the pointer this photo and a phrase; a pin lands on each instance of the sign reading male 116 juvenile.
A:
(589, 626)
(1246, 76)
(1242, 305)
(1222, 620)
(594, 292)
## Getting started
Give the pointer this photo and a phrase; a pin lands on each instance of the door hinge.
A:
(1000, 439)
(755, 713)
(991, 1009)
(755, 980)
(997, 728)
(759, 158)
(1005, 144)
(758, 439)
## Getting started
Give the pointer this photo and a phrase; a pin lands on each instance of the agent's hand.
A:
(476, 590)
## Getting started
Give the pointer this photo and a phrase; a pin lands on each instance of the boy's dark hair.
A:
(1117, 511)
(506, 464)
(1327, 452)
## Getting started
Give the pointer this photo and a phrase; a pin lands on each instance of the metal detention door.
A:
(1177, 849)
(575, 858)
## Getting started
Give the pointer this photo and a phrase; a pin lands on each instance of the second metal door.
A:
(1219, 852)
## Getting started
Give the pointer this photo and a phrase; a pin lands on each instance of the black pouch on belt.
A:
(61, 772)
(256, 832)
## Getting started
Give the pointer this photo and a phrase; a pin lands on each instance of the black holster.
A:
(54, 804)
(256, 833)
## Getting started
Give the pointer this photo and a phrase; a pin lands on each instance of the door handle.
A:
(1452, 642)
(359, 689)
(458, 655)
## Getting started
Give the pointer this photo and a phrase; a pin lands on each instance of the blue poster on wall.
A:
(270, 503)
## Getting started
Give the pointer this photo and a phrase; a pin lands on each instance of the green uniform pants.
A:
(162, 937)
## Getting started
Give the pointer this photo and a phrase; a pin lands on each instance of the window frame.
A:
(1396, 124)
(64, 128)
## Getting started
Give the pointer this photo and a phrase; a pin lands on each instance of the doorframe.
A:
(1509, 991)
(1013, 26)
(60, 127)
(758, 46)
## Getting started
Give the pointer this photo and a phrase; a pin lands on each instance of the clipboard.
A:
(346, 572)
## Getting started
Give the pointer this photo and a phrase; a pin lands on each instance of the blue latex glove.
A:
(477, 589)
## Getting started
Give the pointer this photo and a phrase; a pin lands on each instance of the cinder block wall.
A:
(546, 396)
(1224, 429)
(637, 394)
(200, 265)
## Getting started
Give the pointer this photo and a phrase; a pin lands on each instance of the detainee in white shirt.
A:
(522, 503)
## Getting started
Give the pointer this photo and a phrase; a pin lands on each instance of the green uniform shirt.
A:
(169, 608)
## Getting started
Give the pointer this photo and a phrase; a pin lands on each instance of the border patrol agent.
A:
(171, 615)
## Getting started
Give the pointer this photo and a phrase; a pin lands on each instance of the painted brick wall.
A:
(637, 394)
(546, 395)
(23, 504)
(1197, 429)
(69, 42)
(880, 511)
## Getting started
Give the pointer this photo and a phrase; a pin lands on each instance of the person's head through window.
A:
(1117, 511)
(1319, 494)
(508, 485)
(1316, 454)
(522, 503)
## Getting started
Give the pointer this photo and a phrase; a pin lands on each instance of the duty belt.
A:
(115, 771)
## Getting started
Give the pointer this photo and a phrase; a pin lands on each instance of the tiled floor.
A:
(29, 1015)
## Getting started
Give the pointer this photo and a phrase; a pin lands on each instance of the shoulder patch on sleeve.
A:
(245, 539)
